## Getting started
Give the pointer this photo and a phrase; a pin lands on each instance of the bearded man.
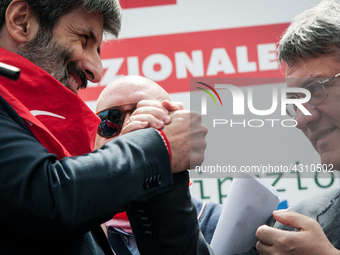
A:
(55, 192)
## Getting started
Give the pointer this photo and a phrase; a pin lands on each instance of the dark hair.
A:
(314, 32)
(48, 12)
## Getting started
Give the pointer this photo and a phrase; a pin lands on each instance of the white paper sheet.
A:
(249, 204)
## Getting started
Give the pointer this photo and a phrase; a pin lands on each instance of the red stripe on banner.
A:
(127, 4)
(171, 60)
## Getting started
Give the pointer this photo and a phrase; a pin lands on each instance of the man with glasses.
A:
(310, 51)
(317, 89)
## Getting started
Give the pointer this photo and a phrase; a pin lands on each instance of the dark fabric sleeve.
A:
(41, 196)
(168, 224)
(210, 214)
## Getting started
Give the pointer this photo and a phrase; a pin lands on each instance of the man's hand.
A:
(172, 106)
(183, 129)
(310, 240)
(186, 136)
(148, 113)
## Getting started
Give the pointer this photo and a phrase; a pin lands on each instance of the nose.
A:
(93, 67)
(304, 121)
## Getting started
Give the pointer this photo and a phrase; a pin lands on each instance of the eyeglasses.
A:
(318, 94)
(112, 120)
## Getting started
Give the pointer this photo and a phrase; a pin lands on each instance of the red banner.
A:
(171, 60)
(126, 4)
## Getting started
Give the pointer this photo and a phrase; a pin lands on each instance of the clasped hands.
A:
(183, 129)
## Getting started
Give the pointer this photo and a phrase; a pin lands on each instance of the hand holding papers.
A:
(249, 204)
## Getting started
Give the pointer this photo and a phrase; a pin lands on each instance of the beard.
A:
(55, 59)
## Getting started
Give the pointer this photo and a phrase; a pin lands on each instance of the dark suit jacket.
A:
(208, 214)
(167, 224)
(50, 206)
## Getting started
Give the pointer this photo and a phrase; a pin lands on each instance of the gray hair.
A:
(314, 32)
(48, 12)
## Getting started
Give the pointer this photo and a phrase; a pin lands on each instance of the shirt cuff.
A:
(166, 141)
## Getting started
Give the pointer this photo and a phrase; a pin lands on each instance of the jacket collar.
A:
(58, 118)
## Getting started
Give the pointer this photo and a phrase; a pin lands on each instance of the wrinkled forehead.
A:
(118, 98)
(124, 94)
(304, 71)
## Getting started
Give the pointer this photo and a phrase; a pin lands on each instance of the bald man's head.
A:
(125, 93)
(130, 89)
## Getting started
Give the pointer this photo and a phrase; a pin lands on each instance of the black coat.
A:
(51, 206)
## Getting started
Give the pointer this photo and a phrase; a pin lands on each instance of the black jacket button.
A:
(147, 183)
(153, 181)
(145, 219)
(159, 180)
(142, 212)
(148, 233)
(146, 226)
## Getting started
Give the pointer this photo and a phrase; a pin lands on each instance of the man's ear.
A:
(20, 22)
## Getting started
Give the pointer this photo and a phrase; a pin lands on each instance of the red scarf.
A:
(57, 117)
